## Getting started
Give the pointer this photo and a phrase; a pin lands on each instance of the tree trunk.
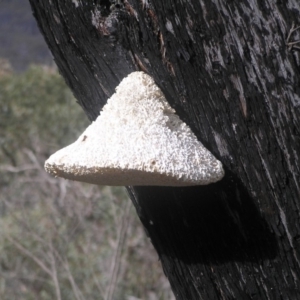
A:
(231, 74)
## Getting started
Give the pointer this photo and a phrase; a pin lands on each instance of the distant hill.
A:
(20, 39)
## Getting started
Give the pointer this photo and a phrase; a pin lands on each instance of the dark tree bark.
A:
(231, 74)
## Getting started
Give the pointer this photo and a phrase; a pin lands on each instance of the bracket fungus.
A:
(137, 140)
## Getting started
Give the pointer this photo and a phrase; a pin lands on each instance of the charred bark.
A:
(231, 71)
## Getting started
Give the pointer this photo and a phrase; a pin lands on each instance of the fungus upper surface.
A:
(137, 140)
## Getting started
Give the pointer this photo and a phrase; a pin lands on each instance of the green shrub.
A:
(61, 239)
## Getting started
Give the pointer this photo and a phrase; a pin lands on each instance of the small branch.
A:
(30, 255)
(76, 291)
(75, 288)
(102, 292)
(117, 255)
(54, 275)
(13, 169)
(63, 184)
(291, 45)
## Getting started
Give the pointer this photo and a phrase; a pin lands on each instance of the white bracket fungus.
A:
(137, 140)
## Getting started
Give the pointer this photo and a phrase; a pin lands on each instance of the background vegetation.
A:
(60, 239)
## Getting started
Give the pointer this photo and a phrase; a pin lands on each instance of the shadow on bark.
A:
(210, 224)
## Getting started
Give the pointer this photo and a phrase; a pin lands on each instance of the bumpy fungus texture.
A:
(137, 140)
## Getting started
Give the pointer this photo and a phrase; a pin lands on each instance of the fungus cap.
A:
(137, 140)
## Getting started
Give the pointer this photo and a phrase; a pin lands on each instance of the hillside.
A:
(20, 40)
